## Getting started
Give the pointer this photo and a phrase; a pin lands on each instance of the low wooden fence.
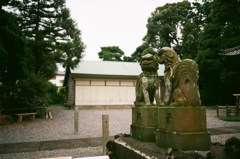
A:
(226, 110)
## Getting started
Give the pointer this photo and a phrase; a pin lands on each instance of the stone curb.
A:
(80, 143)
(50, 145)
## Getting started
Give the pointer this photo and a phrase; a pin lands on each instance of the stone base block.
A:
(145, 116)
(183, 140)
(144, 123)
(183, 128)
(143, 133)
(182, 119)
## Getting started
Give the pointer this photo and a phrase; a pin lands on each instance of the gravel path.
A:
(76, 153)
(61, 127)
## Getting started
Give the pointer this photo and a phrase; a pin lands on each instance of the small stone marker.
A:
(105, 132)
(48, 115)
(76, 120)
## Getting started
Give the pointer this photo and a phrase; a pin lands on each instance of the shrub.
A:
(232, 148)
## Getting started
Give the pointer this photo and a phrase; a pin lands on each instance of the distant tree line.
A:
(35, 36)
(199, 31)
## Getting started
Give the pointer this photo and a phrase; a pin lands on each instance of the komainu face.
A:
(168, 57)
(149, 62)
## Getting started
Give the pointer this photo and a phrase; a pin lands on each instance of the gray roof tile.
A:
(111, 68)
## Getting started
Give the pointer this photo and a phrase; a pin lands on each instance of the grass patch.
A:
(210, 107)
(68, 108)
(55, 105)
(230, 118)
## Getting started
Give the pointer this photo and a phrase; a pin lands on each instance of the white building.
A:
(104, 84)
(58, 79)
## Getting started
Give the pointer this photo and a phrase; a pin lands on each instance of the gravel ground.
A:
(214, 122)
(62, 127)
(76, 153)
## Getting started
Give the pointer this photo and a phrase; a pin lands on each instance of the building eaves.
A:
(231, 51)
(111, 68)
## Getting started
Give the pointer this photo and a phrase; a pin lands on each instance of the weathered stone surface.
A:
(144, 123)
(145, 116)
(129, 148)
(147, 86)
(183, 128)
(182, 119)
(147, 134)
(181, 79)
(184, 140)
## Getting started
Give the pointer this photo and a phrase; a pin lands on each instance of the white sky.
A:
(112, 23)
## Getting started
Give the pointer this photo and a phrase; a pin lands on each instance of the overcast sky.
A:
(112, 23)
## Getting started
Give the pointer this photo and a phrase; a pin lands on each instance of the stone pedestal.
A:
(144, 123)
(183, 128)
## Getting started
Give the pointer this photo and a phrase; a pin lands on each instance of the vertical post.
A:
(105, 132)
(217, 112)
(76, 120)
(227, 113)
(237, 105)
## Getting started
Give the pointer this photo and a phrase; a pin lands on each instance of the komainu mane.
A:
(181, 79)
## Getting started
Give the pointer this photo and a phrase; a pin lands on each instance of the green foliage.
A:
(41, 112)
(29, 54)
(176, 25)
(57, 95)
(14, 58)
(111, 53)
(210, 107)
(52, 35)
(164, 23)
(138, 52)
(32, 93)
(219, 74)
(230, 118)
(70, 46)
(232, 148)
(128, 59)
(13, 53)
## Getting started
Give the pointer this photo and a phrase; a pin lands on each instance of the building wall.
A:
(57, 80)
(104, 91)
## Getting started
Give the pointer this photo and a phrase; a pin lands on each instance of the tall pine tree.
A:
(52, 35)
(46, 35)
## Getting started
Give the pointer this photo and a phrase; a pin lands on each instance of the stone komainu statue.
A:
(147, 86)
(181, 79)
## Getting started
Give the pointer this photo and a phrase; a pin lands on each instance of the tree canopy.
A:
(52, 35)
(220, 75)
(111, 53)
(36, 35)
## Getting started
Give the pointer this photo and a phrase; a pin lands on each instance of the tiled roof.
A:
(231, 51)
(111, 68)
